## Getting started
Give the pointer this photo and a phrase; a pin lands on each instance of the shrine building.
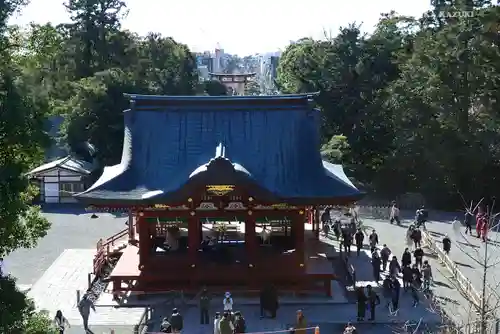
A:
(224, 193)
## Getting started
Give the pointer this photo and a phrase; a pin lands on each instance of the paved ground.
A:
(56, 290)
(453, 303)
(330, 318)
(71, 228)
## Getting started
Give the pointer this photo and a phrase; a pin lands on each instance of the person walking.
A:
(347, 241)
(176, 321)
(385, 253)
(373, 241)
(446, 244)
(373, 301)
(204, 308)
(415, 287)
(61, 322)
(394, 217)
(394, 267)
(84, 307)
(468, 221)
(216, 323)
(406, 258)
(427, 275)
(361, 304)
(419, 255)
(409, 236)
(359, 237)
(376, 262)
(396, 291)
(417, 237)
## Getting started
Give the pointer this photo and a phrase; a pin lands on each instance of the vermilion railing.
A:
(103, 249)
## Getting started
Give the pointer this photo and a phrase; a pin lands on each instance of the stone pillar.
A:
(144, 239)
(251, 246)
(194, 241)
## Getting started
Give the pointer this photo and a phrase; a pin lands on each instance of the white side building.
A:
(59, 180)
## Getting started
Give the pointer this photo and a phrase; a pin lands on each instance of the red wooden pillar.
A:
(316, 221)
(131, 229)
(194, 241)
(251, 239)
(144, 239)
(298, 226)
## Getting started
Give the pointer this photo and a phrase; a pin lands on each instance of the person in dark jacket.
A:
(407, 277)
(268, 301)
(396, 289)
(361, 303)
(394, 267)
(416, 236)
(373, 241)
(373, 301)
(419, 256)
(337, 229)
(204, 307)
(176, 321)
(359, 237)
(406, 258)
(446, 244)
(415, 287)
(387, 290)
(346, 241)
(376, 262)
(239, 323)
(384, 256)
(415, 272)
(468, 219)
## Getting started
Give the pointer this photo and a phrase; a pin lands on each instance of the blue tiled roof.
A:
(277, 145)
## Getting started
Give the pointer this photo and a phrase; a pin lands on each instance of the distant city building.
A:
(274, 61)
(203, 73)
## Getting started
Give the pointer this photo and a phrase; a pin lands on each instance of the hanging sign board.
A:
(219, 190)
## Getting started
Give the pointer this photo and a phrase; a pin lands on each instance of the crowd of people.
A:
(229, 321)
(414, 271)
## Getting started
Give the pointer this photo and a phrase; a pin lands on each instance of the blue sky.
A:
(241, 27)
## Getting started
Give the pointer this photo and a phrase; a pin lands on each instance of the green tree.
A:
(252, 88)
(93, 24)
(21, 141)
(214, 88)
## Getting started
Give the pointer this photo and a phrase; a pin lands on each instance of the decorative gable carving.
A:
(235, 206)
(206, 206)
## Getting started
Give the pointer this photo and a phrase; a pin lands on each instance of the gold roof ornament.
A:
(219, 190)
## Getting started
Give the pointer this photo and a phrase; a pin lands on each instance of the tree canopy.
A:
(416, 100)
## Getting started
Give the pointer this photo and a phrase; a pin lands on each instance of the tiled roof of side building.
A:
(271, 142)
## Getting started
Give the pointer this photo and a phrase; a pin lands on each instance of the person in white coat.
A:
(228, 302)
(456, 226)
(216, 323)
